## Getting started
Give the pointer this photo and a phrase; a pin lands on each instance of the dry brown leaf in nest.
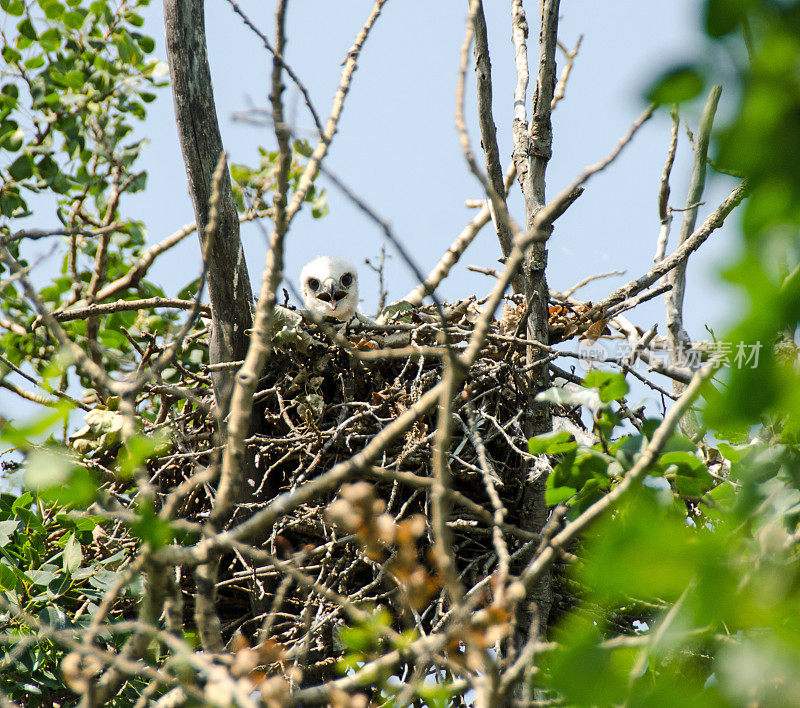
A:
(360, 512)
(490, 625)
(247, 659)
(596, 330)
(419, 586)
(418, 583)
(237, 642)
(364, 345)
(270, 652)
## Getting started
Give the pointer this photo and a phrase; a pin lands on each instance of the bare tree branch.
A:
(442, 269)
(483, 70)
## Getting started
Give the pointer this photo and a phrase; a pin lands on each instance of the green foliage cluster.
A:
(77, 77)
(76, 80)
(700, 570)
(54, 571)
(252, 186)
(582, 475)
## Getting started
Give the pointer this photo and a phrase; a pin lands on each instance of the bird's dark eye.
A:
(347, 280)
(313, 283)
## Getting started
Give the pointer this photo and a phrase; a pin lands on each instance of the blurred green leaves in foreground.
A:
(690, 589)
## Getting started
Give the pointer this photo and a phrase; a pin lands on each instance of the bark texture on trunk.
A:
(198, 131)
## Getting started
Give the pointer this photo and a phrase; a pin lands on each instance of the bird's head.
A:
(330, 287)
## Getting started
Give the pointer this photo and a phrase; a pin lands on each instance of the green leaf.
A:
(34, 62)
(50, 39)
(127, 48)
(552, 443)
(26, 29)
(134, 19)
(400, 311)
(13, 142)
(319, 206)
(59, 585)
(71, 79)
(141, 448)
(7, 529)
(10, 54)
(583, 671)
(20, 435)
(437, 695)
(54, 617)
(679, 84)
(47, 468)
(151, 528)
(554, 495)
(301, 147)
(103, 579)
(645, 551)
(52, 9)
(688, 473)
(21, 168)
(611, 385)
(146, 44)
(72, 556)
(74, 19)
(10, 203)
(13, 7)
(55, 478)
(41, 576)
(47, 167)
(8, 579)
(23, 501)
(721, 17)
(729, 452)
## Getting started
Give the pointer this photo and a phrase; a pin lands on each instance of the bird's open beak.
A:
(331, 296)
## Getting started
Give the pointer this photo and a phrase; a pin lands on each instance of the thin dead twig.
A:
(288, 69)
(570, 55)
(590, 279)
(128, 306)
(453, 254)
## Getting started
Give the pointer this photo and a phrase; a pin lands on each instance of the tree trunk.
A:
(531, 173)
(228, 281)
(198, 130)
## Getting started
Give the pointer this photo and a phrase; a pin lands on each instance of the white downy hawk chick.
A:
(329, 285)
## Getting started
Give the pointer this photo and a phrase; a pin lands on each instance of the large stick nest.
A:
(318, 404)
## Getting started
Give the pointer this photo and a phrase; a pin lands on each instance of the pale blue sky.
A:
(397, 145)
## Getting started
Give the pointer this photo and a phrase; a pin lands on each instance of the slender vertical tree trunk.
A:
(539, 142)
(228, 281)
(198, 130)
